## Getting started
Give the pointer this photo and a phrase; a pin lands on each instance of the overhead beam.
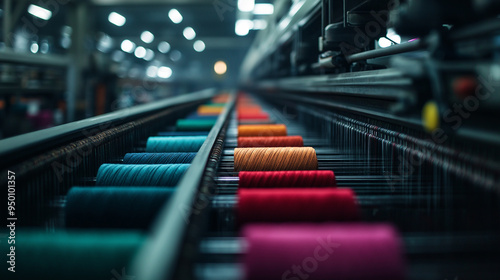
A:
(210, 42)
(148, 2)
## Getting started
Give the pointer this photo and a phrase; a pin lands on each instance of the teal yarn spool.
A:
(114, 207)
(73, 255)
(176, 144)
(195, 125)
(161, 175)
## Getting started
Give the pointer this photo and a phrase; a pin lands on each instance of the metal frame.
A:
(19, 147)
(157, 259)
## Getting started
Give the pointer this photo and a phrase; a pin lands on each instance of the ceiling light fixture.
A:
(117, 19)
(189, 33)
(39, 12)
(175, 16)
(147, 37)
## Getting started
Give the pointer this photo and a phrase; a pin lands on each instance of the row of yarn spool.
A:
(296, 223)
(108, 222)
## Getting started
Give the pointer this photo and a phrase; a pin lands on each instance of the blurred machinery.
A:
(398, 98)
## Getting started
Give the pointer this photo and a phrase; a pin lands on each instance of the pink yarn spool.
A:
(323, 251)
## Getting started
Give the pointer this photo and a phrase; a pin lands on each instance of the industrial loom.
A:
(347, 153)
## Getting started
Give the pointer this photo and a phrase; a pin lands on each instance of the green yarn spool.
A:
(73, 255)
(195, 125)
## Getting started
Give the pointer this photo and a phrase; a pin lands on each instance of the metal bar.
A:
(396, 49)
(156, 260)
(19, 146)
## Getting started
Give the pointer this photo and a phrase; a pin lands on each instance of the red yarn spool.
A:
(327, 251)
(276, 141)
(253, 116)
(296, 205)
(287, 179)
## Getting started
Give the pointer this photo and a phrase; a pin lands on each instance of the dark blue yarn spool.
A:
(114, 207)
(183, 133)
(163, 175)
(179, 144)
(158, 158)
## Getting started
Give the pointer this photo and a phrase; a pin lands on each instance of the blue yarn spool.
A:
(73, 255)
(183, 133)
(179, 144)
(164, 175)
(195, 116)
(114, 207)
(158, 158)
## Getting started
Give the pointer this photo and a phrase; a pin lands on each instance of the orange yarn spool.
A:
(275, 159)
(221, 98)
(252, 130)
(249, 110)
(278, 141)
(209, 110)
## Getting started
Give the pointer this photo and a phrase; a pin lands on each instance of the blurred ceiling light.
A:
(149, 55)
(259, 24)
(65, 42)
(105, 43)
(242, 27)
(152, 71)
(117, 19)
(189, 33)
(34, 47)
(175, 16)
(147, 37)
(175, 55)
(140, 52)
(163, 47)
(391, 34)
(263, 9)
(199, 46)
(117, 56)
(384, 42)
(39, 12)
(246, 5)
(44, 46)
(220, 67)
(128, 46)
(164, 72)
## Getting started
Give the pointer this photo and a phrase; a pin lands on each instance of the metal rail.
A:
(157, 259)
(19, 147)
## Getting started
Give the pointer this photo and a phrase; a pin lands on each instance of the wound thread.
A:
(209, 110)
(77, 255)
(342, 251)
(158, 158)
(175, 144)
(275, 159)
(114, 207)
(253, 116)
(161, 175)
(286, 179)
(272, 141)
(252, 130)
(296, 205)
